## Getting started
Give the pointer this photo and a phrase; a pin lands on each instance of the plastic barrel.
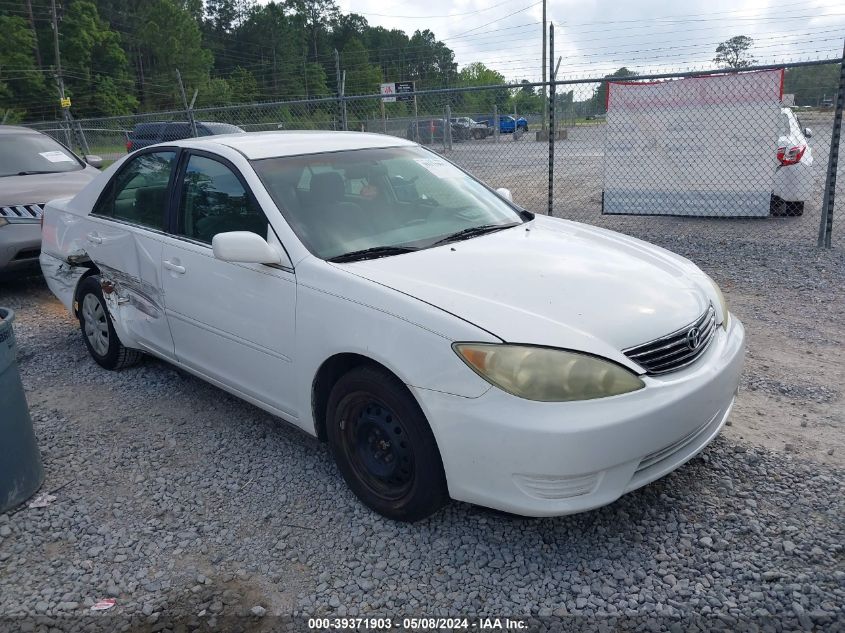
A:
(21, 472)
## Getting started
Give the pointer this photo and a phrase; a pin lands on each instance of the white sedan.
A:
(445, 342)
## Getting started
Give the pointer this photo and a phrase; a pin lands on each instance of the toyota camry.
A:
(445, 342)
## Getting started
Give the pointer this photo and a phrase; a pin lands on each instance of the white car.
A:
(793, 182)
(445, 342)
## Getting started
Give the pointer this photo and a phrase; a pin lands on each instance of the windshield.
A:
(404, 197)
(34, 153)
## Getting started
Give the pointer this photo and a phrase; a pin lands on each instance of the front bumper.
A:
(20, 245)
(548, 459)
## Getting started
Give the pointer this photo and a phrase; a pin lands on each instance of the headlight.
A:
(545, 374)
(3, 221)
(723, 304)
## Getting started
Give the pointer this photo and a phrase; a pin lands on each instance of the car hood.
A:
(39, 188)
(553, 282)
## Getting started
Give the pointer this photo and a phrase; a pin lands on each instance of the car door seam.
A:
(227, 335)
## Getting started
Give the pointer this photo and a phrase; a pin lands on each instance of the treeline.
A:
(121, 56)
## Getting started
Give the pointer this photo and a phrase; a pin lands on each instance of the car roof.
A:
(258, 145)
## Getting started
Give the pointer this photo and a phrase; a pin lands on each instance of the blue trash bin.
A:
(21, 472)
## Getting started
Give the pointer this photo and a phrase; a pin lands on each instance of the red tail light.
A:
(791, 155)
(128, 146)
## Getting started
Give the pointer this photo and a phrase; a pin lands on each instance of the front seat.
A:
(338, 222)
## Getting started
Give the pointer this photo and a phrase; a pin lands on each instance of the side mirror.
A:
(505, 193)
(244, 247)
(808, 132)
(94, 161)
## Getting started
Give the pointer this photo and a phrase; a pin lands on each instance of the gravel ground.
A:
(180, 501)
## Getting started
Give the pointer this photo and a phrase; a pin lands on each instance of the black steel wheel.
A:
(384, 446)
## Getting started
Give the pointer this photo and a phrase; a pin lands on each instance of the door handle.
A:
(176, 268)
(94, 238)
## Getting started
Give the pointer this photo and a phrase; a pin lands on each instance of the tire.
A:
(97, 329)
(794, 209)
(383, 445)
(779, 208)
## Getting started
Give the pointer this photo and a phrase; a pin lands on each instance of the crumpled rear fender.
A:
(63, 277)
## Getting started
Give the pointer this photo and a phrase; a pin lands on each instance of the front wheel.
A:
(98, 331)
(384, 447)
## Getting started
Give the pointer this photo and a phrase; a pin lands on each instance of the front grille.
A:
(22, 211)
(678, 349)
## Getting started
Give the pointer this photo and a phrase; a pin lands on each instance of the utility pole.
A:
(543, 65)
(34, 32)
(59, 81)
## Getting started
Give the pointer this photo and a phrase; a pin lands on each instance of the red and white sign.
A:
(388, 92)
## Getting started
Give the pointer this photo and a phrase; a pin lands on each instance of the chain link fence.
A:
(722, 156)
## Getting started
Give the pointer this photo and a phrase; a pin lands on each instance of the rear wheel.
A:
(794, 208)
(98, 331)
(778, 207)
(383, 445)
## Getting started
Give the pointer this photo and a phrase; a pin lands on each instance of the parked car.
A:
(412, 332)
(507, 124)
(34, 168)
(467, 128)
(146, 134)
(793, 181)
(430, 131)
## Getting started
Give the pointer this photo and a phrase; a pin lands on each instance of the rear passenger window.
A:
(138, 193)
(214, 201)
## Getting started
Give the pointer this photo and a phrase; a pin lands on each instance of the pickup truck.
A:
(507, 124)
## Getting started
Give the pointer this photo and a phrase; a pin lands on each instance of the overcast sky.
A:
(596, 37)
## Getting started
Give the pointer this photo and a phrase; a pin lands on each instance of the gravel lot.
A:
(182, 502)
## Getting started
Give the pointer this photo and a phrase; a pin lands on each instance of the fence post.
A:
(495, 123)
(826, 222)
(447, 131)
(416, 117)
(84, 141)
(551, 109)
(189, 112)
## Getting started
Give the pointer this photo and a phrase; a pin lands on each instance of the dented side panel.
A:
(129, 260)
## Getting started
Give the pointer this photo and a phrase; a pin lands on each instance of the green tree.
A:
(599, 100)
(733, 53)
(361, 76)
(477, 74)
(526, 100)
(169, 39)
(811, 84)
(98, 73)
(243, 86)
(24, 88)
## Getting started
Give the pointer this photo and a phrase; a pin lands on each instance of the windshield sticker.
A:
(439, 168)
(57, 157)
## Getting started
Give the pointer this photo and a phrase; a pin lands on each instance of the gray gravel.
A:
(181, 501)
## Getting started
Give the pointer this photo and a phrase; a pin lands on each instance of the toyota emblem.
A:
(693, 338)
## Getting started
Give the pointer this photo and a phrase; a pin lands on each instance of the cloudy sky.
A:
(596, 37)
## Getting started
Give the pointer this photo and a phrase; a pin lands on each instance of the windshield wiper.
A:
(32, 173)
(371, 253)
(473, 231)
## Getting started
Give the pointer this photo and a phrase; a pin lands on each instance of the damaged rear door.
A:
(124, 238)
